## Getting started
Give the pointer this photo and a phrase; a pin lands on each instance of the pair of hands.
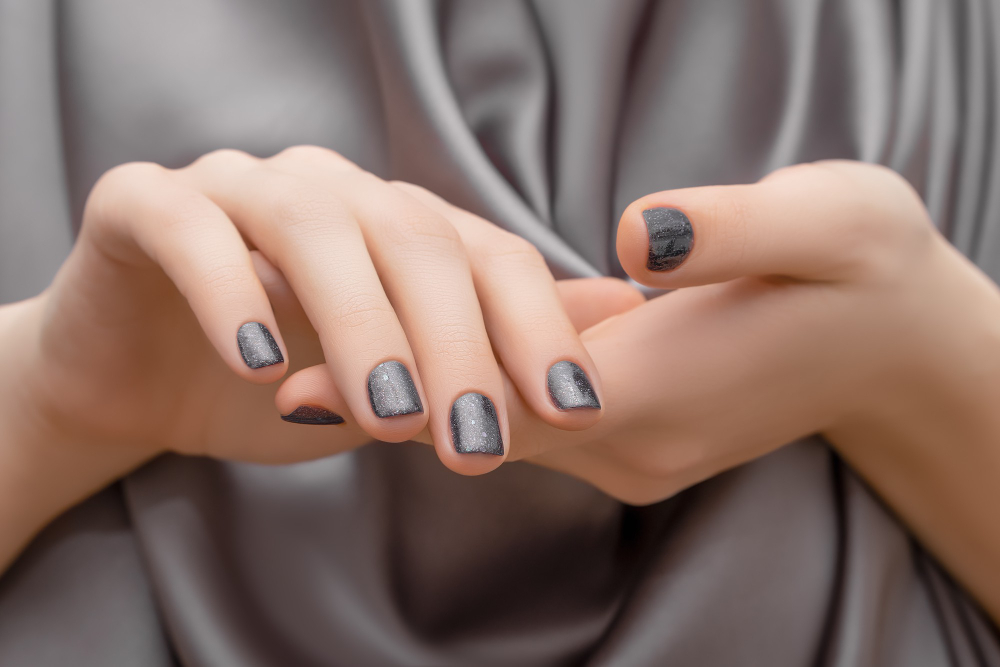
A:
(810, 298)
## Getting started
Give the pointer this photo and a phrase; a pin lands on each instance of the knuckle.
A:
(549, 326)
(909, 206)
(463, 345)
(421, 194)
(424, 228)
(222, 158)
(881, 219)
(413, 189)
(859, 213)
(501, 253)
(224, 279)
(885, 221)
(512, 247)
(310, 155)
(129, 175)
(364, 313)
(297, 208)
(307, 152)
(114, 186)
(186, 213)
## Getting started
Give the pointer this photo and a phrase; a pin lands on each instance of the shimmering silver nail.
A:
(570, 388)
(258, 346)
(308, 414)
(670, 238)
(391, 391)
(474, 425)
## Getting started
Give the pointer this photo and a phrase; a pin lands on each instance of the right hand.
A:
(138, 332)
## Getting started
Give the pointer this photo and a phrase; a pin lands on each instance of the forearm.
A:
(930, 444)
(45, 468)
(944, 481)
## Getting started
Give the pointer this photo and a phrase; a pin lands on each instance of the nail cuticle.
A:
(474, 425)
(257, 346)
(570, 388)
(670, 238)
(310, 414)
(391, 391)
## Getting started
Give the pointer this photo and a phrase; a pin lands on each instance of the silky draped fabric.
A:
(547, 118)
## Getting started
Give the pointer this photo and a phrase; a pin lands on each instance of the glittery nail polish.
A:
(670, 238)
(308, 414)
(474, 425)
(391, 391)
(258, 346)
(570, 388)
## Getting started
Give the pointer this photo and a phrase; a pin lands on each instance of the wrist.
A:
(927, 440)
(45, 467)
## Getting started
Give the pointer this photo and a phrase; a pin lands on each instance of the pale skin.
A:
(819, 300)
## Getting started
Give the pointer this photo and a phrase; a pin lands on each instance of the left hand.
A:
(816, 299)
(819, 300)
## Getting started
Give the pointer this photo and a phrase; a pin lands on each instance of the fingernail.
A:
(670, 238)
(258, 346)
(474, 425)
(391, 391)
(570, 388)
(307, 414)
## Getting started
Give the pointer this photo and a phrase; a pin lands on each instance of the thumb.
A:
(588, 301)
(825, 221)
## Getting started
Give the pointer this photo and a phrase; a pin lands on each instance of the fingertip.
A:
(399, 428)
(474, 441)
(578, 420)
(632, 242)
(313, 415)
(309, 396)
(395, 403)
(655, 241)
(261, 357)
(571, 400)
(473, 464)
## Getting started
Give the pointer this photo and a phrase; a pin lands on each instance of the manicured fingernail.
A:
(570, 388)
(258, 346)
(670, 238)
(474, 425)
(308, 414)
(391, 391)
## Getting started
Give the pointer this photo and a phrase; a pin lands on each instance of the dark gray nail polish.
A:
(670, 238)
(474, 425)
(570, 388)
(391, 391)
(258, 346)
(308, 414)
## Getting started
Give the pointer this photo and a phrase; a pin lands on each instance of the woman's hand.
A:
(189, 289)
(408, 308)
(820, 300)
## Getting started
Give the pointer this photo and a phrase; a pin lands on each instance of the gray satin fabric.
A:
(547, 117)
